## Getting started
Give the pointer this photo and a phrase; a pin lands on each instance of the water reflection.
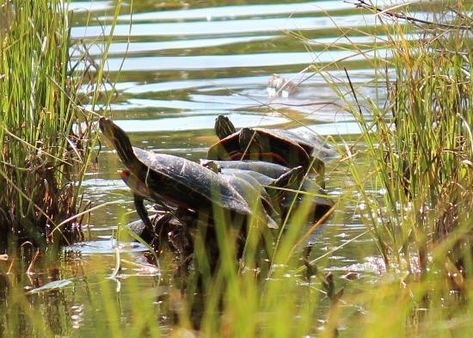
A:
(217, 28)
(249, 10)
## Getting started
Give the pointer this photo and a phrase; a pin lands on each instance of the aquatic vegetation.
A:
(45, 134)
(421, 146)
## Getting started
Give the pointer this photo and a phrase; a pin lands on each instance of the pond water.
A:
(176, 66)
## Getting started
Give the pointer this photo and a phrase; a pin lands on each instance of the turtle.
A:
(283, 191)
(256, 186)
(271, 145)
(173, 181)
(265, 173)
(312, 143)
(274, 186)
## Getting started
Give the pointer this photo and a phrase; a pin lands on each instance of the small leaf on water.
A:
(58, 284)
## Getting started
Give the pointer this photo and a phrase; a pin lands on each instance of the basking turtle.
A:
(285, 180)
(313, 144)
(264, 172)
(173, 181)
(255, 186)
(283, 177)
(277, 146)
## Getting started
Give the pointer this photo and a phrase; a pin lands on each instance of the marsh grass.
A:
(419, 142)
(45, 136)
(421, 145)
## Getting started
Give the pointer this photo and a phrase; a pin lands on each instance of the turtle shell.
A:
(183, 183)
(285, 180)
(310, 141)
(273, 145)
(271, 148)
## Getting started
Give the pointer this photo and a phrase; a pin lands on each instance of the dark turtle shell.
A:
(265, 173)
(278, 150)
(310, 141)
(174, 180)
(276, 146)
(300, 191)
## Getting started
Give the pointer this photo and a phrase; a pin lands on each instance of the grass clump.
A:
(43, 156)
(420, 144)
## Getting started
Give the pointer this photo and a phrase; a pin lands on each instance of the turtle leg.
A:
(148, 232)
(293, 176)
(161, 231)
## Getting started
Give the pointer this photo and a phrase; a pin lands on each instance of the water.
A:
(176, 68)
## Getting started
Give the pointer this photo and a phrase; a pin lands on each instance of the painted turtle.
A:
(264, 172)
(272, 177)
(171, 180)
(271, 145)
(312, 143)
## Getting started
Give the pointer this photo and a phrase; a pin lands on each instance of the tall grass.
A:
(43, 155)
(420, 144)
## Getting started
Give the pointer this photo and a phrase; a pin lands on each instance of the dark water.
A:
(175, 69)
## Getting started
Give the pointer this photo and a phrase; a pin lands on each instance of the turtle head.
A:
(117, 139)
(250, 141)
(212, 165)
(223, 127)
